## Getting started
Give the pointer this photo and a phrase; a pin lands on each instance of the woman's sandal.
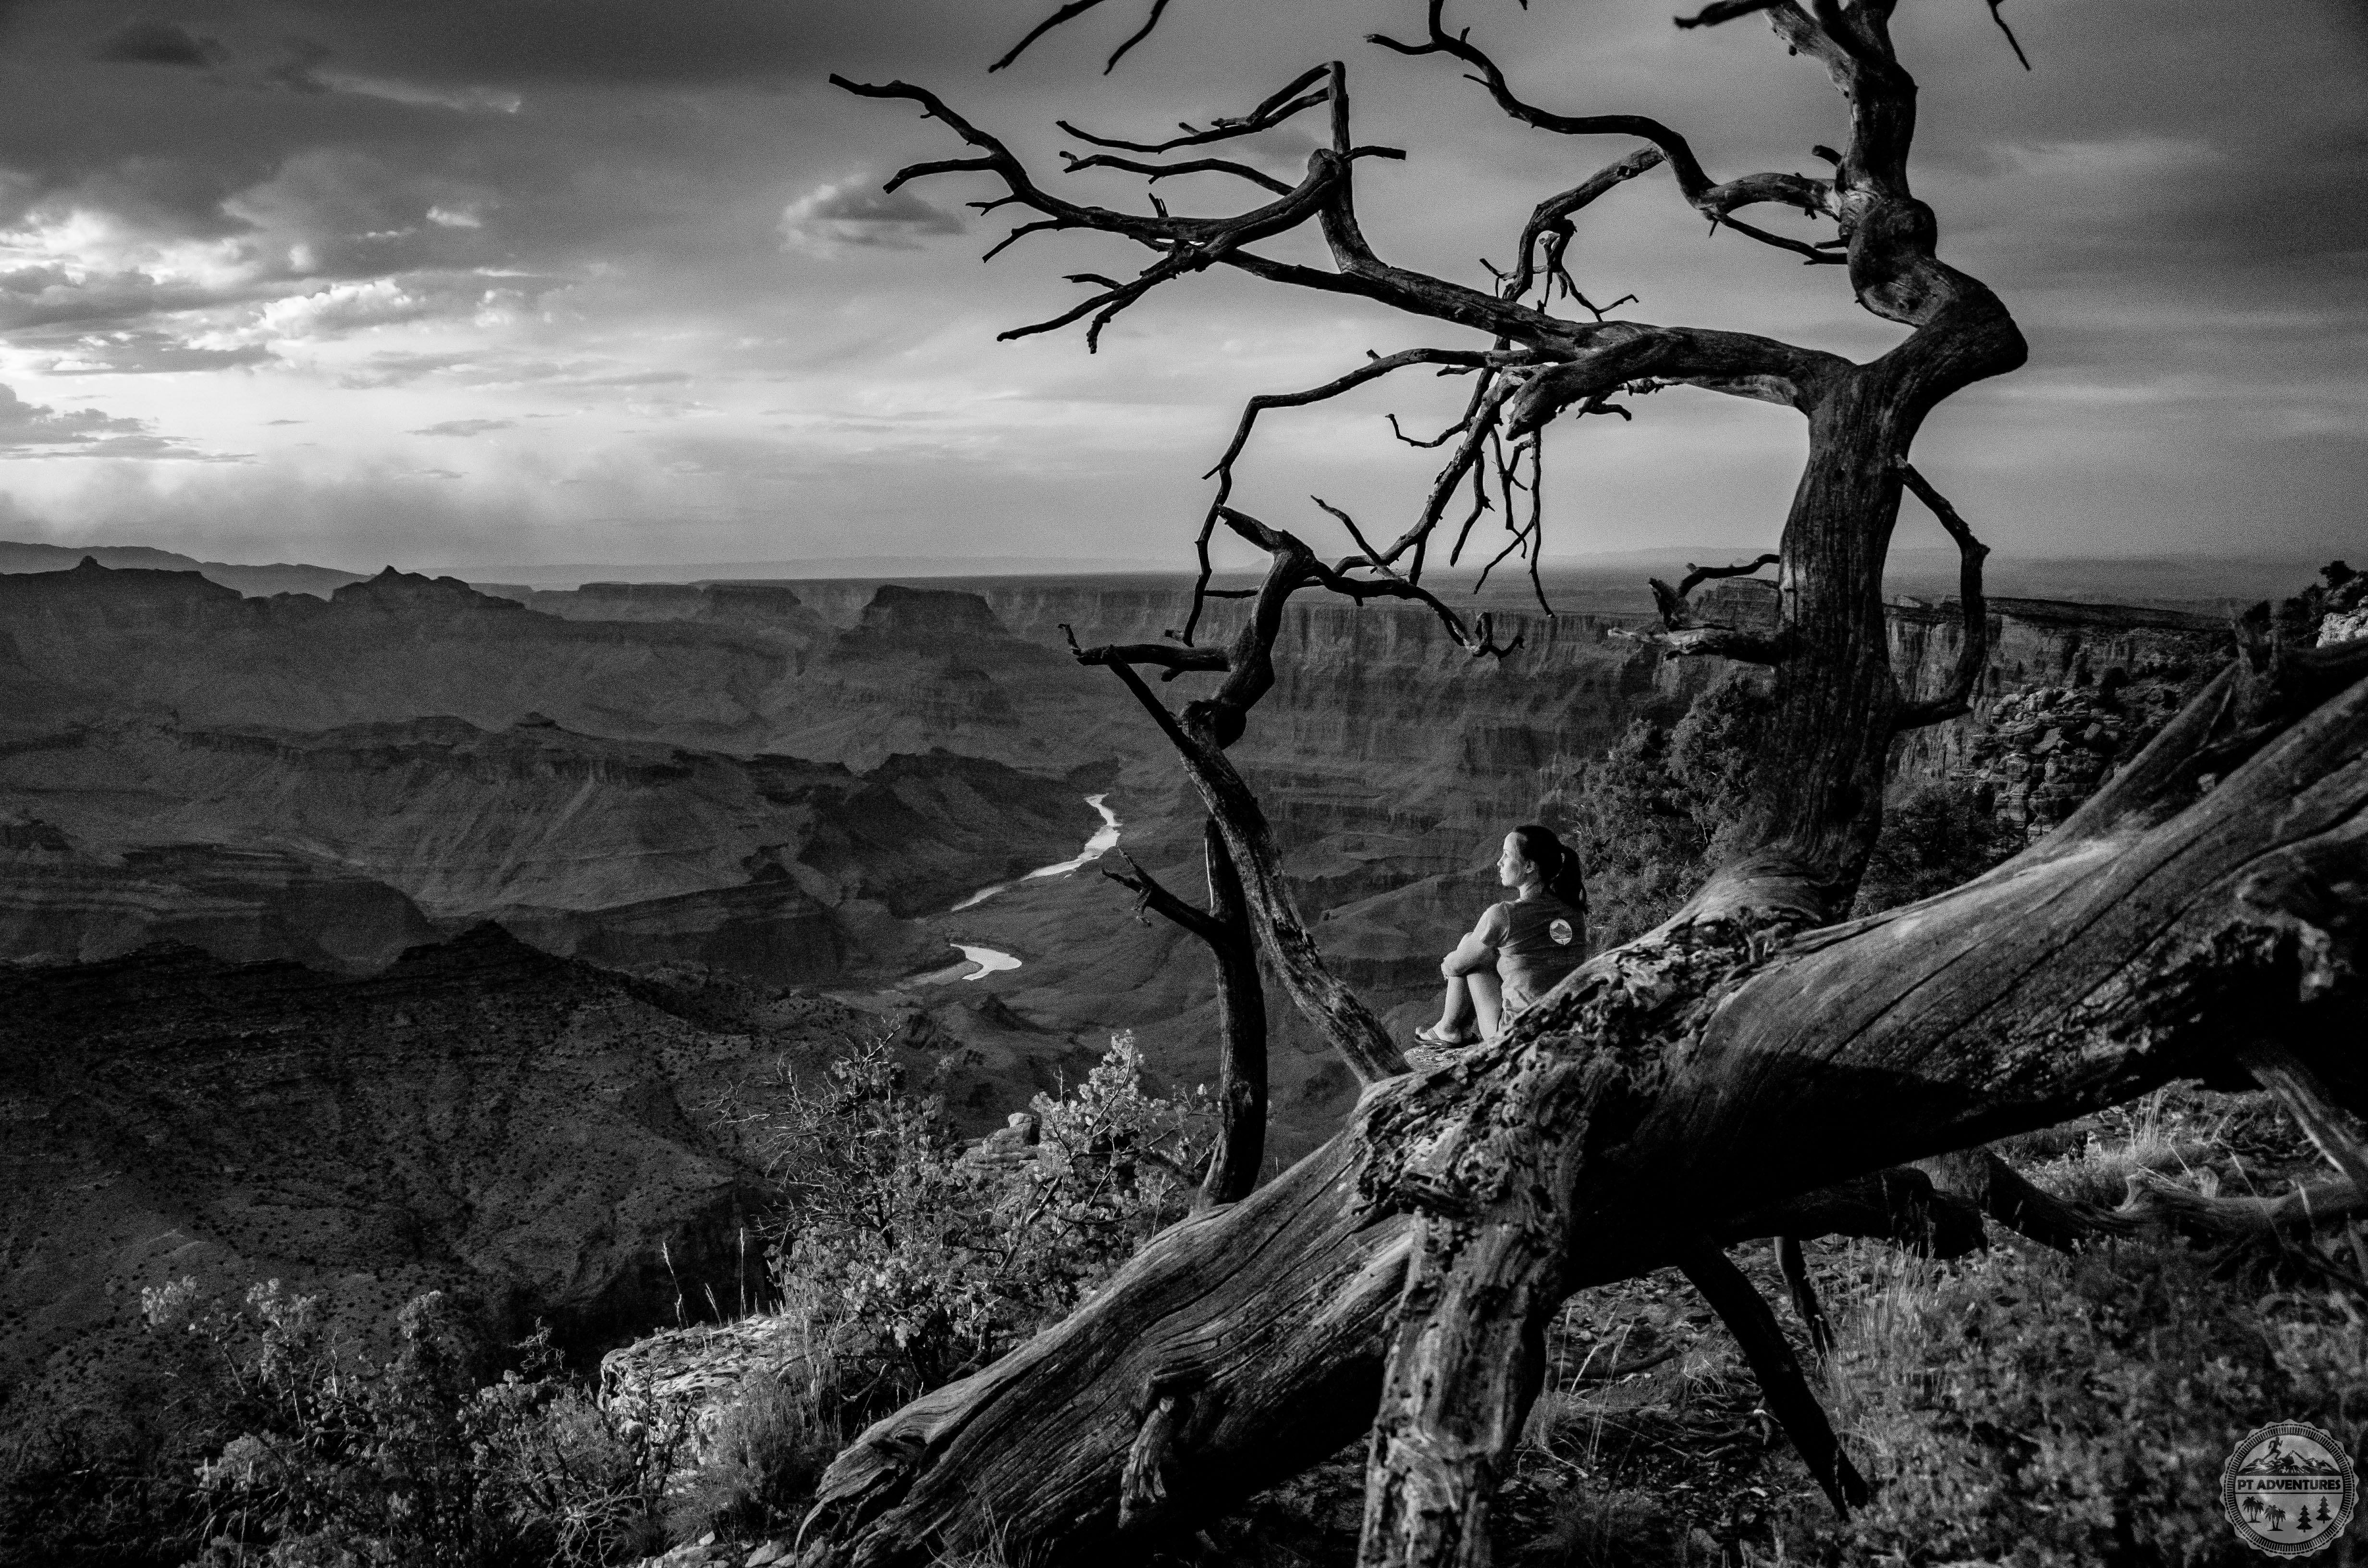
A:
(1432, 1036)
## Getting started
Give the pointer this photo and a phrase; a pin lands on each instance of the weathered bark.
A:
(1241, 1023)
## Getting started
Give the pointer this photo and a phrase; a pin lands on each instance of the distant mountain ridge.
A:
(280, 577)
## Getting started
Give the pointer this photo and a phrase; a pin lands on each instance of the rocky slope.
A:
(538, 1134)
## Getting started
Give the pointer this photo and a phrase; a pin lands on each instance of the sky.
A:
(464, 282)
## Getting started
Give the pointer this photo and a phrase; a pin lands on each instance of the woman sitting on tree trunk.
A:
(1523, 946)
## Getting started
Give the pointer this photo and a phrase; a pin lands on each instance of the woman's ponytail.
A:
(1557, 863)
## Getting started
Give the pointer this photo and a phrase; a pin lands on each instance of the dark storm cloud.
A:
(143, 42)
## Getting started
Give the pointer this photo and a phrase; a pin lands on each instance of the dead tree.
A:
(1738, 1072)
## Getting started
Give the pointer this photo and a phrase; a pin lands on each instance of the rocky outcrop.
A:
(676, 1383)
(62, 904)
(537, 1134)
(2045, 645)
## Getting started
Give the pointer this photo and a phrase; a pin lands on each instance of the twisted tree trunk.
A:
(1670, 1089)
(1724, 1076)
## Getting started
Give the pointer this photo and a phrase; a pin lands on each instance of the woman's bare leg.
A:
(1455, 1009)
(1488, 999)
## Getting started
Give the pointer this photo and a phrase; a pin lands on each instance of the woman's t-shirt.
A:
(1544, 940)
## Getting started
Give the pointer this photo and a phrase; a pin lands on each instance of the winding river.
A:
(979, 962)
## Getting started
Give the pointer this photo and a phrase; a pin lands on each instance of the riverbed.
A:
(978, 962)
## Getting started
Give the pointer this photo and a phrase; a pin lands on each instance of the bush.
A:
(1645, 816)
(1935, 837)
(760, 1468)
(253, 1433)
(915, 1262)
(2041, 1409)
(906, 1259)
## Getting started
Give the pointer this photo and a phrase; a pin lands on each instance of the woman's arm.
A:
(1477, 951)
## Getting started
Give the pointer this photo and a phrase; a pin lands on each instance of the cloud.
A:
(146, 352)
(856, 212)
(38, 430)
(465, 427)
(341, 308)
(466, 100)
(26, 423)
(143, 42)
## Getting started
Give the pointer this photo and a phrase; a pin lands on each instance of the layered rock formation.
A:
(544, 1136)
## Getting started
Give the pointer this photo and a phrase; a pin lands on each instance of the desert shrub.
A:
(905, 1258)
(916, 1262)
(1934, 838)
(2035, 1408)
(761, 1467)
(258, 1433)
(1645, 816)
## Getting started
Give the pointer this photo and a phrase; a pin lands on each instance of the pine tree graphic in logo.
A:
(2289, 1490)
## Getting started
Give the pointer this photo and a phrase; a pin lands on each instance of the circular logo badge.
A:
(1560, 932)
(2289, 1490)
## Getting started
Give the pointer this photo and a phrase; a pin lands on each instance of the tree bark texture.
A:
(1241, 1023)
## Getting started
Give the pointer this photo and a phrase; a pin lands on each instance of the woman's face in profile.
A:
(1512, 868)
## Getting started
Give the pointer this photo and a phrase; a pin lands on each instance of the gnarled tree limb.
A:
(1972, 653)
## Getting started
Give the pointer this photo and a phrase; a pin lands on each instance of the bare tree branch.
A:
(1163, 171)
(1715, 201)
(1279, 107)
(1174, 661)
(1551, 224)
(1070, 13)
(1972, 653)
(1998, 15)
(1697, 575)
(1739, 1306)
(1159, 901)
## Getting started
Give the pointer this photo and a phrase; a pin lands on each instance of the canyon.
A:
(397, 936)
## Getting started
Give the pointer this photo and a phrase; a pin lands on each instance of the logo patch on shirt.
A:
(1560, 932)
